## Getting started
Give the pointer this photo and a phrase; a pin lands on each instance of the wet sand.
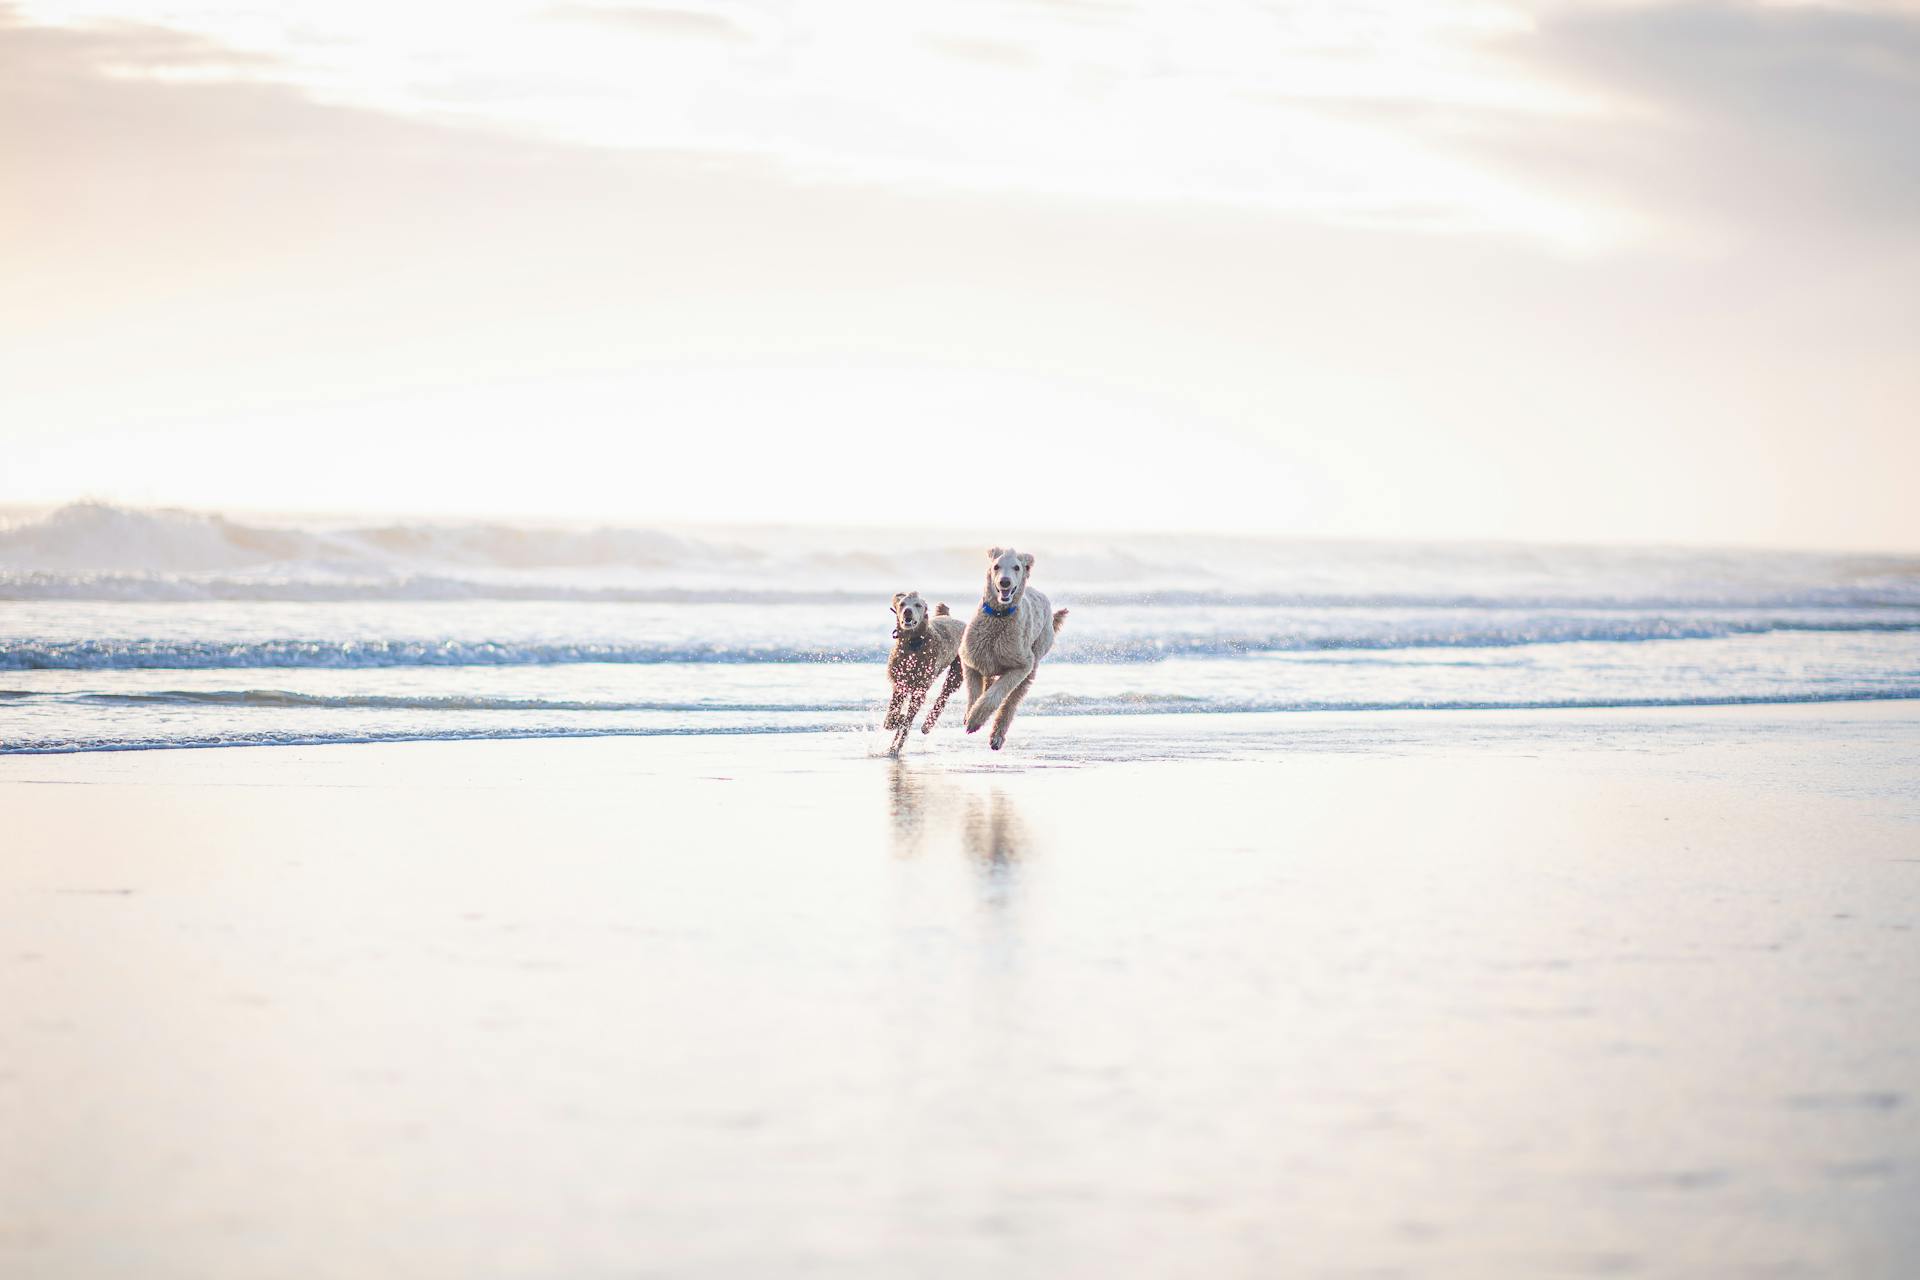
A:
(1473, 994)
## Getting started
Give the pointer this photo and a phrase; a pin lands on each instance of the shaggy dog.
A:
(924, 645)
(1005, 641)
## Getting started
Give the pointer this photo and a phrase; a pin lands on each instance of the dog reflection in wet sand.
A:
(989, 826)
(994, 835)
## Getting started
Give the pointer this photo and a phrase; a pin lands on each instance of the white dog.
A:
(924, 645)
(1006, 638)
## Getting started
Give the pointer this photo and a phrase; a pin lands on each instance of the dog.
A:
(924, 645)
(1005, 639)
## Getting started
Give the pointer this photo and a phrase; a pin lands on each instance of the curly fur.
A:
(1005, 639)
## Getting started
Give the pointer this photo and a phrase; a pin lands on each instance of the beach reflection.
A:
(927, 809)
(996, 840)
(911, 801)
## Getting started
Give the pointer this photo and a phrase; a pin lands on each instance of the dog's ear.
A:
(898, 596)
(994, 553)
(1026, 562)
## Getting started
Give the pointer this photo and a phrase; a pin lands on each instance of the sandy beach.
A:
(1425, 994)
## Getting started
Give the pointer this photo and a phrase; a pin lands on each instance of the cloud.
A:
(657, 20)
(1003, 54)
(72, 106)
(1103, 103)
(184, 245)
(218, 268)
(1738, 116)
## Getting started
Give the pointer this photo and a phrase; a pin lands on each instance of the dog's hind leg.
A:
(1004, 719)
(940, 700)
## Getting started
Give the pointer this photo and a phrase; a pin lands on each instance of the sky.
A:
(1580, 271)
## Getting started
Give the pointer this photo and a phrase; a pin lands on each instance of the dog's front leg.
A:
(990, 701)
(893, 708)
(940, 701)
(901, 722)
(1004, 721)
(976, 690)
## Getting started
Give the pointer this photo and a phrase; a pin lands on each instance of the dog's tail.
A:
(1059, 620)
(941, 610)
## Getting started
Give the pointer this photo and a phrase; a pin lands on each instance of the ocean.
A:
(143, 628)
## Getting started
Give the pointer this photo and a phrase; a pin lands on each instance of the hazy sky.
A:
(1586, 271)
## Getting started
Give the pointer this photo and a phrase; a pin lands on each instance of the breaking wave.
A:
(99, 538)
(1473, 633)
(97, 551)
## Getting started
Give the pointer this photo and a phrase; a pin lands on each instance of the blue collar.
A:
(992, 612)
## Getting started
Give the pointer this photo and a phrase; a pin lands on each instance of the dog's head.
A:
(909, 613)
(1007, 573)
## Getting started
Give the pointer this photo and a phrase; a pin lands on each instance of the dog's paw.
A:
(976, 716)
(998, 740)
